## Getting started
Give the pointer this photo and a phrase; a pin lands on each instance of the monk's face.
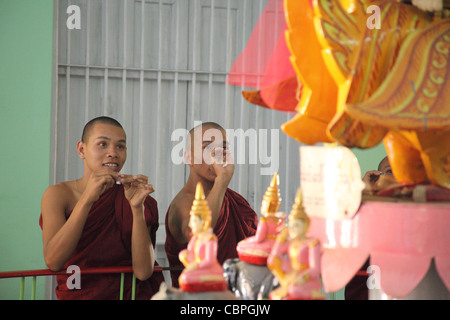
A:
(385, 167)
(105, 147)
(208, 146)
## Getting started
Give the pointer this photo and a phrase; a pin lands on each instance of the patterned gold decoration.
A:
(298, 211)
(365, 84)
(271, 200)
(200, 206)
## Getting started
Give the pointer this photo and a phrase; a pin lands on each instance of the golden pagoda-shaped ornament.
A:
(295, 259)
(256, 249)
(202, 270)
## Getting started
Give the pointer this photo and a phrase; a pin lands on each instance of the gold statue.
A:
(256, 249)
(203, 272)
(295, 259)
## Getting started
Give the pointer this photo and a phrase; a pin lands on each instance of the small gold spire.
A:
(271, 200)
(199, 193)
(200, 205)
(298, 211)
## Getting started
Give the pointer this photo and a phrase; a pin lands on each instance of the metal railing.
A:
(47, 272)
(101, 270)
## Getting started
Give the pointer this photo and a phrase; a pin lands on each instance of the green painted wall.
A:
(26, 45)
(369, 159)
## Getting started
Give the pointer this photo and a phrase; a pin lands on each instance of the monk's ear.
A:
(81, 149)
(188, 157)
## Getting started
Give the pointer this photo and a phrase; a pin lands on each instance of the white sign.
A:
(331, 181)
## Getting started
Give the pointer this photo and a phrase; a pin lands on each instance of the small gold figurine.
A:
(203, 272)
(295, 259)
(256, 249)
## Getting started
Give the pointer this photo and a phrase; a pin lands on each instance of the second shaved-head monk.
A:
(210, 162)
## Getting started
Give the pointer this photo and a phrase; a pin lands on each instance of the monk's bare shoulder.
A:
(62, 189)
(180, 206)
(61, 195)
(178, 218)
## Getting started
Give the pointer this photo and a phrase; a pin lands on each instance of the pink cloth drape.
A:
(264, 63)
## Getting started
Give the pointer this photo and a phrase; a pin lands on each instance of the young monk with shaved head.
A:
(210, 162)
(95, 222)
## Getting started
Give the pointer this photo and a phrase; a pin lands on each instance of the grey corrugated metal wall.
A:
(157, 66)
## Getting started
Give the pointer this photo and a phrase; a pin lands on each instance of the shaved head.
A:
(383, 164)
(204, 125)
(103, 119)
(205, 142)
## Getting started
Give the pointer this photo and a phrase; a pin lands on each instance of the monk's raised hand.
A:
(223, 163)
(136, 188)
(99, 181)
(370, 178)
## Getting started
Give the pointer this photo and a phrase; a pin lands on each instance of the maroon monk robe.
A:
(106, 242)
(236, 221)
